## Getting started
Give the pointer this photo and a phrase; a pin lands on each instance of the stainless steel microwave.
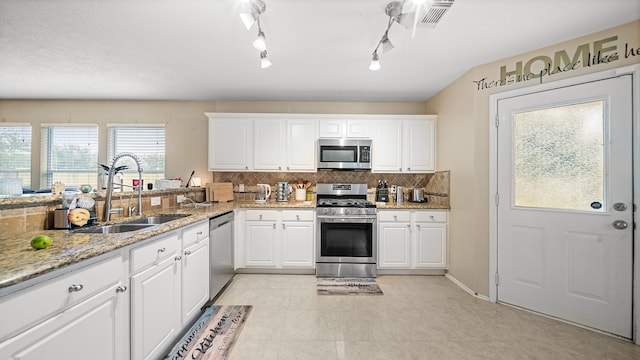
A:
(344, 154)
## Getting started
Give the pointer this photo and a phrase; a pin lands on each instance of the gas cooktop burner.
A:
(333, 202)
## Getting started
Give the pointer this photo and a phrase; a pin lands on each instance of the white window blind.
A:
(146, 142)
(15, 153)
(69, 154)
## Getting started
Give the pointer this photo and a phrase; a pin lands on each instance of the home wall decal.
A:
(598, 52)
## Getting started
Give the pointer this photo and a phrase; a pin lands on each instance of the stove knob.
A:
(347, 211)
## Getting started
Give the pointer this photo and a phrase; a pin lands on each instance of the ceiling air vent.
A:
(435, 13)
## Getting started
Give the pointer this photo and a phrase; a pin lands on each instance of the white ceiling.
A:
(320, 49)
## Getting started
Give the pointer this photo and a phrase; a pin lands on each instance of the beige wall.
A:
(185, 122)
(463, 145)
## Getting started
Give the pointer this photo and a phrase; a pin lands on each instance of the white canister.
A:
(301, 194)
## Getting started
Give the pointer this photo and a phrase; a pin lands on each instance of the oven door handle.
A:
(341, 219)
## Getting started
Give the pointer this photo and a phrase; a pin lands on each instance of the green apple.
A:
(40, 242)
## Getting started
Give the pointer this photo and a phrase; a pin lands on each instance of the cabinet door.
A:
(95, 329)
(358, 128)
(431, 245)
(261, 244)
(195, 279)
(297, 244)
(230, 144)
(332, 129)
(387, 146)
(269, 144)
(301, 145)
(394, 248)
(155, 309)
(419, 146)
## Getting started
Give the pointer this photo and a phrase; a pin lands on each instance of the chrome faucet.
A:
(107, 201)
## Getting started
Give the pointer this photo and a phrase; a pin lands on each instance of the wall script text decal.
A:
(538, 67)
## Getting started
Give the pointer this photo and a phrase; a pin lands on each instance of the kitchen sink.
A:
(156, 220)
(114, 229)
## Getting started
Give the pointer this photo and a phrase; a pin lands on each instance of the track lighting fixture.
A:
(255, 8)
(375, 62)
(427, 13)
(260, 43)
(264, 60)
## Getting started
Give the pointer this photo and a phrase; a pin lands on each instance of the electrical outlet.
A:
(156, 201)
(393, 189)
(180, 198)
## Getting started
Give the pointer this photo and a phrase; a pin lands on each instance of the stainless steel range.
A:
(346, 235)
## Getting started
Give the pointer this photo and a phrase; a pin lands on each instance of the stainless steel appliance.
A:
(416, 195)
(263, 191)
(344, 154)
(221, 252)
(346, 237)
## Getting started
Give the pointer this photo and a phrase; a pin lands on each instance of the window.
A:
(559, 157)
(15, 153)
(146, 142)
(69, 154)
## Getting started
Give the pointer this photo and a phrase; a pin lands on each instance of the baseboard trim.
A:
(465, 288)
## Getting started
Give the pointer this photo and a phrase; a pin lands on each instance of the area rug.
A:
(348, 286)
(212, 335)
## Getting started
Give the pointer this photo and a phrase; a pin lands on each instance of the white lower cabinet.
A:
(75, 316)
(276, 238)
(169, 284)
(414, 239)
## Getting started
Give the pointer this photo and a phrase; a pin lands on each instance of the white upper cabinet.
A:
(387, 146)
(404, 144)
(419, 141)
(287, 142)
(301, 145)
(262, 142)
(344, 128)
(269, 143)
(230, 143)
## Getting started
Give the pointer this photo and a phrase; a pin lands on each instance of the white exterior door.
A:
(565, 211)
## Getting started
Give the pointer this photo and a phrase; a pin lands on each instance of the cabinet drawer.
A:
(392, 216)
(297, 215)
(431, 216)
(146, 255)
(30, 305)
(195, 233)
(262, 215)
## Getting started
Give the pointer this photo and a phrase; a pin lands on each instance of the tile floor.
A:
(418, 317)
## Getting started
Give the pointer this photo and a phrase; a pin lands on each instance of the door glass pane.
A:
(559, 157)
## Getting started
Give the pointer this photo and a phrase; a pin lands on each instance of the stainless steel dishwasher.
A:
(221, 247)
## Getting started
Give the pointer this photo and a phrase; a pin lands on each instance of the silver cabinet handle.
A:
(177, 258)
(288, 168)
(283, 227)
(161, 250)
(395, 217)
(279, 167)
(76, 287)
(297, 217)
(409, 226)
(246, 168)
(620, 225)
(199, 233)
(274, 225)
(408, 169)
(260, 216)
(187, 252)
(400, 169)
(120, 289)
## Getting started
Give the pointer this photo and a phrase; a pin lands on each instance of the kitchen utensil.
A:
(416, 195)
(263, 191)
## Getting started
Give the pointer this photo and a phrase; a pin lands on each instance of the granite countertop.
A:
(19, 262)
(411, 206)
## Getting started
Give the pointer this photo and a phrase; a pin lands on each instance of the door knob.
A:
(620, 224)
